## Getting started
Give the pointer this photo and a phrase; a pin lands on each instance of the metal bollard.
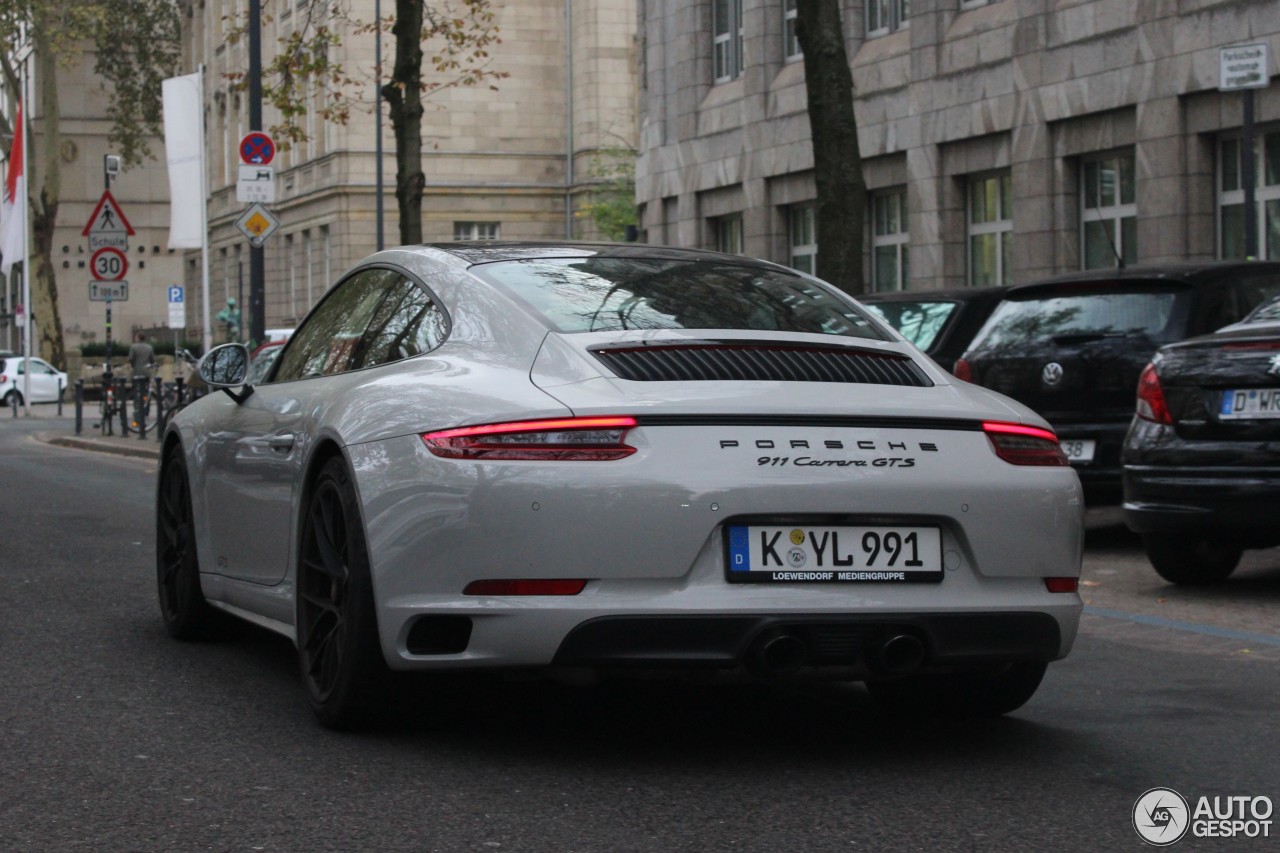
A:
(79, 406)
(140, 409)
(158, 396)
(60, 390)
(122, 395)
(13, 401)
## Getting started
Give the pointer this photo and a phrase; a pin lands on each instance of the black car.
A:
(1202, 457)
(1072, 347)
(940, 322)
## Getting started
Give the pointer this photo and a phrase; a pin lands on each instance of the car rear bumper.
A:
(824, 640)
(1240, 501)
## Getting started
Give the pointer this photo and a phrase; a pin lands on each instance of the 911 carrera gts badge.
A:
(1274, 368)
(1052, 373)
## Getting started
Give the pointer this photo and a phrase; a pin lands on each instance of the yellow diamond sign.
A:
(257, 223)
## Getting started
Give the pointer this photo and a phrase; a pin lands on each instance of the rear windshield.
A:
(1155, 314)
(617, 294)
(919, 322)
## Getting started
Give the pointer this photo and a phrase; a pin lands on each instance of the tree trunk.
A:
(837, 160)
(404, 96)
(45, 185)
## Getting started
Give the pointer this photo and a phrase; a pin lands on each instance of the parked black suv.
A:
(1072, 347)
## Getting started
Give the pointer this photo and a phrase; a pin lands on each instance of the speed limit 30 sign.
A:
(109, 264)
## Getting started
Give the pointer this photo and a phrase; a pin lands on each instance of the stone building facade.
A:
(514, 162)
(1004, 140)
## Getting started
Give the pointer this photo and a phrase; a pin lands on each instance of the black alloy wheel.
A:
(985, 692)
(187, 616)
(1191, 560)
(337, 633)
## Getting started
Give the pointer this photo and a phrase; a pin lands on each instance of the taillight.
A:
(525, 587)
(561, 439)
(1151, 403)
(962, 370)
(1024, 445)
(3, 378)
(1061, 584)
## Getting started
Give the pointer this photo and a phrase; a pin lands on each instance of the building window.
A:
(475, 231)
(973, 4)
(790, 44)
(804, 239)
(889, 240)
(727, 48)
(1109, 214)
(1266, 196)
(886, 16)
(990, 229)
(729, 234)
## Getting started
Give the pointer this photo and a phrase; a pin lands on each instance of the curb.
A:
(119, 449)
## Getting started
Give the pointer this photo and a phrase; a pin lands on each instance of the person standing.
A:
(141, 358)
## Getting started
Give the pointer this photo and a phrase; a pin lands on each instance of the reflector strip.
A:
(525, 587)
(1061, 584)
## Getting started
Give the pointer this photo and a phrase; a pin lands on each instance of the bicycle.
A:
(107, 407)
(141, 397)
(177, 395)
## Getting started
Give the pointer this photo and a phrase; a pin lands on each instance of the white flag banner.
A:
(184, 151)
(13, 209)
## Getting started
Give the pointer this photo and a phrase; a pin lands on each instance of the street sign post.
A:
(257, 148)
(108, 227)
(177, 307)
(109, 264)
(109, 291)
(257, 224)
(256, 184)
(1244, 68)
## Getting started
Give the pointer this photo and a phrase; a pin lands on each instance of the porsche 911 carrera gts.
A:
(582, 459)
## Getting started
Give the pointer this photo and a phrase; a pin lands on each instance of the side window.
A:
(1256, 289)
(326, 343)
(407, 323)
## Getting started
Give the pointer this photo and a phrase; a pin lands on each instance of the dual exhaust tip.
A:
(781, 652)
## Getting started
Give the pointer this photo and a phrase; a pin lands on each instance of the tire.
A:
(14, 394)
(186, 613)
(345, 675)
(1191, 560)
(988, 692)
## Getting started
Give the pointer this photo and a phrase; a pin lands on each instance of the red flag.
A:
(13, 209)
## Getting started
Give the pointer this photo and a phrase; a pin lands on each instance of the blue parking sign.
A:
(175, 293)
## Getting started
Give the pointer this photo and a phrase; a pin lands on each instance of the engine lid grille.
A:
(759, 362)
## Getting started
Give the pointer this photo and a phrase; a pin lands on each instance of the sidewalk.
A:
(61, 430)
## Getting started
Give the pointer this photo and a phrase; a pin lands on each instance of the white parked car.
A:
(585, 457)
(47, 382)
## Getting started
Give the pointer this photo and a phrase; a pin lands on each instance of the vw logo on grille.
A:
(1274, 367)
(1052, 373)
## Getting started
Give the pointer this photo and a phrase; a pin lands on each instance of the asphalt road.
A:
(114, 737)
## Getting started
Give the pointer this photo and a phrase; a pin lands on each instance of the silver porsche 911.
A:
(583, 458)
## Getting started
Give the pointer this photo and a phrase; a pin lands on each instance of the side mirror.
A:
(225, 367)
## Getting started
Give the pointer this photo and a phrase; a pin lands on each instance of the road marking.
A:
(1195, 627)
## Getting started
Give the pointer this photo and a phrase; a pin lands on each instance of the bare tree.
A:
(837, 160)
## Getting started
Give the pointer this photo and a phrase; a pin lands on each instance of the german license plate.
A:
(1250, 403)
(1079, 449)
(798, 553)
